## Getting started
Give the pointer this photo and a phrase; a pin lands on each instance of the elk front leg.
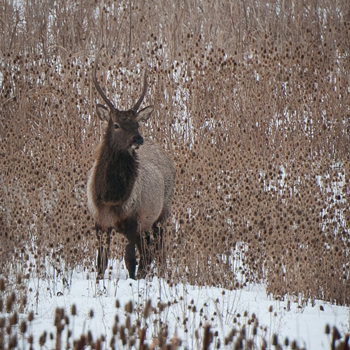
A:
(130, 259)
(130, 231)
(104, 240)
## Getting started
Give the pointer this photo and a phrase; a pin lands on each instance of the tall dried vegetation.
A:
(252, 102)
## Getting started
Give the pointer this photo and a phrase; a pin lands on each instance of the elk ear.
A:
(102, 112)
(144, 114)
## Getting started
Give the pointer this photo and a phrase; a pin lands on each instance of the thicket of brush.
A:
(252, 102)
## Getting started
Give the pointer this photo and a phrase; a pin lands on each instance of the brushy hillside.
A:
(252, 102)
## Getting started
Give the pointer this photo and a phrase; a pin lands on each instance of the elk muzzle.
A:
(137, 141)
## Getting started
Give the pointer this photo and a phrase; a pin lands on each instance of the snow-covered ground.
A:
(184, 308)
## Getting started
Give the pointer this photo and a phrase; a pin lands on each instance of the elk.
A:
(131, 183)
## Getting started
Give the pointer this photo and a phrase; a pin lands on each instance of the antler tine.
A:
(138, 103)
(98, 88)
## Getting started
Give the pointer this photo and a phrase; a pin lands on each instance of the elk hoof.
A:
(141, 274)
(132, 276)
(99, 277)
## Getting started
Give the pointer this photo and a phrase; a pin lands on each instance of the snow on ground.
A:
(221, 308)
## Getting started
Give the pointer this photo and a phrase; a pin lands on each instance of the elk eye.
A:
(116, 126)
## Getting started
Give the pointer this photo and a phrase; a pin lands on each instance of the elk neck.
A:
(116, 170)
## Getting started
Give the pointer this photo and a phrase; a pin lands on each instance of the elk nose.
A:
(138, 140)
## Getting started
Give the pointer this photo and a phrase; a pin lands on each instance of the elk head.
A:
(123, 125)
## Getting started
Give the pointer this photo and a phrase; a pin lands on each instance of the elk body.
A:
(130, 186)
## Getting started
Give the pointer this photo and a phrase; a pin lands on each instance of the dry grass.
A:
(251, 100)
(134, 322)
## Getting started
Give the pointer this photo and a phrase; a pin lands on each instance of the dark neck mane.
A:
(116, 172)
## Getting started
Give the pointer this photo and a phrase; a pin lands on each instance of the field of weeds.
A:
(251, 101)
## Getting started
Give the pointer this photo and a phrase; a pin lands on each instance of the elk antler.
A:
(98, 88)
(138, 103)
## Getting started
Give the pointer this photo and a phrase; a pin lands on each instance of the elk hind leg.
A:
(158, 233)
(143, 246)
